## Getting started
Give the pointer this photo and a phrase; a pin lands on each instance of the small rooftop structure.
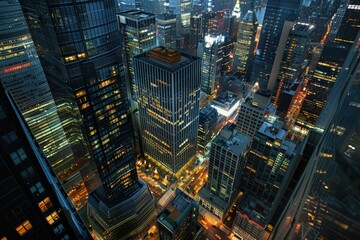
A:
(165, 55)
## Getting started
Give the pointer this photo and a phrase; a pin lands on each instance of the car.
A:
(218, 236)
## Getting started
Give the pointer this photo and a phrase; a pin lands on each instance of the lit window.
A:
(53, 217)
(4, 238)
(45, 204)
(23, 228)
(18, 156)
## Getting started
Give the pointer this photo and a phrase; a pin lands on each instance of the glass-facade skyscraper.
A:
(34, 204)
(245, 44)
(277, 12)
(138, 35)
(81, 56)
(169, 93)
(22, 75)
(325, 203)
(296, 48)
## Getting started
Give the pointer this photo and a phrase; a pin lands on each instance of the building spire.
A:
(236, 11)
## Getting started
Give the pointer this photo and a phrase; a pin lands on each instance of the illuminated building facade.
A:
(350, 25)
(277, 12)
(138, 31)
(34, 204)
(169, 93)
(227, 157)
(207, 123)
(196, 30)
(182, 9)
(216, 58)
(269, 162)
(22, 75)
(321, 83)
(253, 113)
(94, 75)
(178, 220)
(297, 46)
(166, 26)
(245, 44)
(324, 205)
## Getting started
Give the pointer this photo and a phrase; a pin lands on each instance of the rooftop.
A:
(175, 211)
(136, 14)
(273, 130)
(235, 141)
(254, 209)
(167, 59)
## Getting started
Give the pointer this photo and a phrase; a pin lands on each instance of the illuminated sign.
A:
(17, 67)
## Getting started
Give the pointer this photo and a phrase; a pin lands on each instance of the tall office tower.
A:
(253, 113)
(227, 158)
(23, 76)
(336, 21)
(231, 25)
(211, 63)
(196, 30)
(277, 12)
(89, 68)
(296, 48)
(169, 93)
(245, 44)
(182, 9)
(268, 165)
(350, 24)
(178, 220)
(321, 83)
(325, 203)
(207, 123)
(138, 31)
(236, 10)
(33, 204)
(166, 26)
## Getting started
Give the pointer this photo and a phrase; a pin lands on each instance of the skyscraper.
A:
(325, 204)
(169, 93)
(253, 113)
(211, 63)
(33, 203)
(321, 83)
(297, 46)
(245, 44)
(89, 68)
(267, 169)
(22, 75)
(277, 12)
(208, 119)
(227, 158)
(166, 26)
(196, 30)
(138, 31)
